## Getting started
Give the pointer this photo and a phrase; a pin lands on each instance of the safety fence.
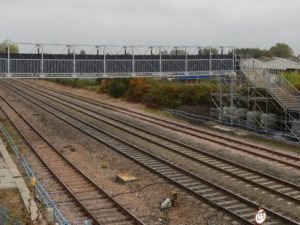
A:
(41, 192)
(205, 119)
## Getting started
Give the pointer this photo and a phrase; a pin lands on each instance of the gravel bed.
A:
(103, 164)
(274, 169)
(258, 195)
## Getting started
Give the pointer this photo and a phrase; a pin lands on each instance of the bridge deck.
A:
(93, 66)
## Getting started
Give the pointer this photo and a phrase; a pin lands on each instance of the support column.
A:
(42, 60)
(233, 59)
(74, 61)
(133, 61)
(104, 61)
(231, 99)
(186, 62)
(220, 100)
(8, 60)
(210, 62)
(160, 62)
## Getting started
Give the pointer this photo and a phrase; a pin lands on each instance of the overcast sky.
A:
(242, 23)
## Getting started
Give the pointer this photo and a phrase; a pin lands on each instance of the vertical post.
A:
(74, 61)
(97, 53)
(104, 61)
(231, 99)
(233, 59)
(8, 60)
(160, 62)
(42, 60)
(133, 61)
(210, 62)
(186, 61)
(224, 65)
(220, 99)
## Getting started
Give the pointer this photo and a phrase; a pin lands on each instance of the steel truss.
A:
(103, 61)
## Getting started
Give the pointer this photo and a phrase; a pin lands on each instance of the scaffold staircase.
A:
(281, 90)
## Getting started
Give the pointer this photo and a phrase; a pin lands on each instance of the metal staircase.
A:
(285, 99)
(285, 94)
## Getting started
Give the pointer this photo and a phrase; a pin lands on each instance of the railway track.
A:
(286, 190)
(94, 203)
(286, 159)
(235, 205)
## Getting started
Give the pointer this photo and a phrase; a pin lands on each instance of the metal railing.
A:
(283, 83)
(244, 124)
(40, 190)
(273, 77)
(109, 67)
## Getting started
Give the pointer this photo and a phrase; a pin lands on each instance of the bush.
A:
(78, 83)
(293, 78)
(159, 93)
(118, 87)
(137, 89)
(104, 87)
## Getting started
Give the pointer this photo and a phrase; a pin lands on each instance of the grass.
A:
(12, 132)
(104, 165)
(272, 143)
(88, 84)
(162, 113)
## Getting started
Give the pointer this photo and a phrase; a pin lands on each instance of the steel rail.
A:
(153, 162)
(134, 219)
(193, 149)
(215, 138)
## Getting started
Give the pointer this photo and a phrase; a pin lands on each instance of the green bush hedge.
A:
(159, 93)
(151, 92)
(90, 84)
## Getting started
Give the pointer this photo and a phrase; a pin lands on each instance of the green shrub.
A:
(293, 78)
(151, 92)
(118, 87)
(137, 89)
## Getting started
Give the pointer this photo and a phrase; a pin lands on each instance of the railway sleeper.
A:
(210, 195)
(115, 218)
(235, 206)
(219, 199)
(229, 203)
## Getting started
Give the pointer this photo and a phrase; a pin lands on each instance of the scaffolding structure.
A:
(249, 99)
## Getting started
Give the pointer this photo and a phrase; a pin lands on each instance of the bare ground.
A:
(11, 199)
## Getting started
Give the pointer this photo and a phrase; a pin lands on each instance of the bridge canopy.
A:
(103, 61)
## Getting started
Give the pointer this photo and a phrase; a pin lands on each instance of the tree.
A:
(281, 50)
(13, 48)
(177, 51)
(250, 52)
(82, 52)
(206, 51)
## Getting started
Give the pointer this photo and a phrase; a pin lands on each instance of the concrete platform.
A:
(6, 178)
(10, 177)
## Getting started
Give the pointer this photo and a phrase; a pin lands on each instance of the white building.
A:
(281, 64)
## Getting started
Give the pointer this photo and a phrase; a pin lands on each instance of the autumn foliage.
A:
(159, 93)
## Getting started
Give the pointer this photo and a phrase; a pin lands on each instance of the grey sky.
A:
(242, 23)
